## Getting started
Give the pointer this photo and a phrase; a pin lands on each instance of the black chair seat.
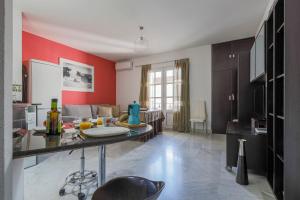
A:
(129, 188)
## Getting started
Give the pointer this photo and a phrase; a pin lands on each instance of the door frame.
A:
(166, 112)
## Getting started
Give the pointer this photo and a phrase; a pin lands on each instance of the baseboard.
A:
(209, 131)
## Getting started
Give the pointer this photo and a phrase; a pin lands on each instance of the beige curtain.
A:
(144, 95)
(181, 117)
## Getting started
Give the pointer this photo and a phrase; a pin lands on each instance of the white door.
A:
(169, 96)
(161, 95)
(45, 85)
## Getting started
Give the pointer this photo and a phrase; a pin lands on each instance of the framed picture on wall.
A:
(77, 76)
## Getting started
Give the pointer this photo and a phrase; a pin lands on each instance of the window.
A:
(169, 89)
(155, 89)
(161, 86)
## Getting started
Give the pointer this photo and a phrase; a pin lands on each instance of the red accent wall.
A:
(35, 47)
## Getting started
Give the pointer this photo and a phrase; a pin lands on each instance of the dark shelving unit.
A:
(270, 131)
(270, 160)
(275, 98)
(270, 64)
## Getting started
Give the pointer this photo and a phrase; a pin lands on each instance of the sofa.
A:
(90, 111)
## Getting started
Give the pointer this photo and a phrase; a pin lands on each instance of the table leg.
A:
(102, 166)
(82, 163)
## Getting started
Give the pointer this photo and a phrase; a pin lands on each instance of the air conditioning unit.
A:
(125, 65)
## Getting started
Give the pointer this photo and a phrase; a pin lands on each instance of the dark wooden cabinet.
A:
(243, 45)
(244, 101)
(292, 101)
(230, 68)
(222, 56)
(225, 55)
(223, 82)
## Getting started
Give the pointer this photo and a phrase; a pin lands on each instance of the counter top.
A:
(33, 143)
(240, 129)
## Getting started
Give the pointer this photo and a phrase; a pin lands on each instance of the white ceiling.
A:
(108, 28)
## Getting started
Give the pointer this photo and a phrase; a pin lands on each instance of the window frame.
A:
(163, 84)
(154, 84)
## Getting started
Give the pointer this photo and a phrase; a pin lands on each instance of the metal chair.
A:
(79, 182)
(129, 188)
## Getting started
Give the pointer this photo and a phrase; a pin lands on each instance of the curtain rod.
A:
(159, 62)
(154, 63)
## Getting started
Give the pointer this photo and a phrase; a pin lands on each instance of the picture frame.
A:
(77, 76)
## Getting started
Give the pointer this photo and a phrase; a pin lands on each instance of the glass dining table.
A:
(30, 143)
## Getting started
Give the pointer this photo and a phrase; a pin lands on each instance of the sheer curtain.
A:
(144, 92)
(181, 117)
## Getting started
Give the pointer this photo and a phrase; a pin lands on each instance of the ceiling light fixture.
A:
(141, 44)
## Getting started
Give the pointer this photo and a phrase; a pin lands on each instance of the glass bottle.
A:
(53, 119)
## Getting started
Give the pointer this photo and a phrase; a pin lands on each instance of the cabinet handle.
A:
(229, 55)
(229, 97)
(232, 97)
(233, 55)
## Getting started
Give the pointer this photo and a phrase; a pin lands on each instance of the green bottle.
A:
(53, 119)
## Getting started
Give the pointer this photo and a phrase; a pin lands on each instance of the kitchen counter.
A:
(36, 143)
(256, 147)
(241, 129)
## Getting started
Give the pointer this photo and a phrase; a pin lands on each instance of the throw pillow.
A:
(104, 111)
(116, 111)
(123, 118)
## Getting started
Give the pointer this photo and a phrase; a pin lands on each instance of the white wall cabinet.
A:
(257, 57)
(252, 63)
(260, 53)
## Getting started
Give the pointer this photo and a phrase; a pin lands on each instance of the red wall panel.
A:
(35, 47)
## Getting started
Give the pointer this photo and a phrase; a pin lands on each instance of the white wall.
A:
(17, 50)
(128, 82)
(6, 55)
(128, 86)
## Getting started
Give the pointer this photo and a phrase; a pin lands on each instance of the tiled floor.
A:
(192, 166)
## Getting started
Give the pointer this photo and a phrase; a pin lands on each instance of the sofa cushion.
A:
(82, 111)
(105, 111)
(116, 110)
(95, 109)
(123, 117)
